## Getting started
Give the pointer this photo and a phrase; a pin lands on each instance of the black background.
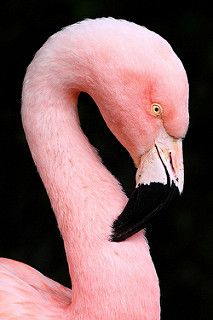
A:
(181, 241)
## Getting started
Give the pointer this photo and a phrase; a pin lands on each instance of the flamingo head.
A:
(146, 107)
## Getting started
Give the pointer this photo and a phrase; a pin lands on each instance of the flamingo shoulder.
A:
(25, 293)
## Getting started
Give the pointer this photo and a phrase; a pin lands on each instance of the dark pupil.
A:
(156, 109)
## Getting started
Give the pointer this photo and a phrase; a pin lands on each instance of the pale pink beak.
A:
(166, 158)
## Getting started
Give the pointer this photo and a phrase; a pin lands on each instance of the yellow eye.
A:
(156, 109)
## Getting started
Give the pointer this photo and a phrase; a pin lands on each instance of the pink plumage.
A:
(141, 89)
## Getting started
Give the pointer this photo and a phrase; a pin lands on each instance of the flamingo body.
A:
(28, 294)
(128, 71)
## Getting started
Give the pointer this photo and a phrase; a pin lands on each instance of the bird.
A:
(141, 89)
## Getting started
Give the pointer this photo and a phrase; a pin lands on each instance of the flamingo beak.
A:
(159, 177)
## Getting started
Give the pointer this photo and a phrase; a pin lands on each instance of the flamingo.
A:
(141, 89)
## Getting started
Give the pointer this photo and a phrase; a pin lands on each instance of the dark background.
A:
(181, 241)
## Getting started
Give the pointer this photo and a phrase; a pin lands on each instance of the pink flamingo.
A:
(141, 89)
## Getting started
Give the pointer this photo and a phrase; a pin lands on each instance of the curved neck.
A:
(80, 188)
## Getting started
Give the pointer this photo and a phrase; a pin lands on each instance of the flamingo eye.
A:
(156, 109)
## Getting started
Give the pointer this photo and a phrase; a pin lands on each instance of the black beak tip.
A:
(143, 206)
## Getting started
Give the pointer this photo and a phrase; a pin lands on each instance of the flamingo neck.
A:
(84, 195)
(80, 188)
